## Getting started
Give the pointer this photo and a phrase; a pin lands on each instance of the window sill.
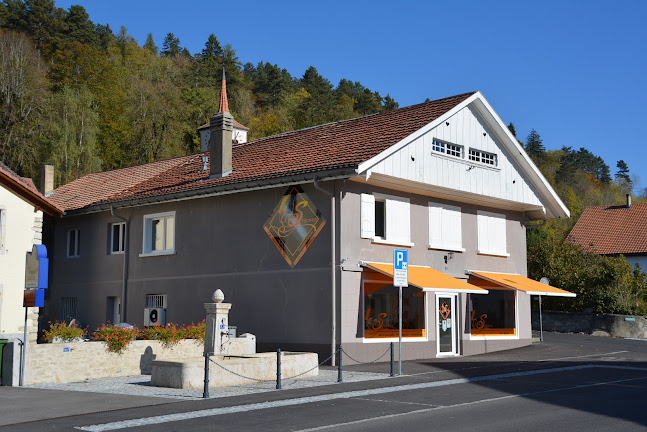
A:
(445, 248)
(388, 340)
(496, 254)
(493, 337)
(73, 256)
(160, 253)
(378, 240)
(116, 253)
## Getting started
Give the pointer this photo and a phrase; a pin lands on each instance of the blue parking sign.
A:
(400, 268)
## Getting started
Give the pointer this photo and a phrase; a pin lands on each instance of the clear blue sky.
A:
(573, 70)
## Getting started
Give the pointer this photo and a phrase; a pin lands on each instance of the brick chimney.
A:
(220, 128)
(46, 178)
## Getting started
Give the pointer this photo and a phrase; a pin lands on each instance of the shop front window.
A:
(381, 311)
(493, 314)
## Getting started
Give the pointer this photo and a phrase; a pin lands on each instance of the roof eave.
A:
(39, 202)
(219, 190)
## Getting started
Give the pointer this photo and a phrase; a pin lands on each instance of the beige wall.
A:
(22, 229)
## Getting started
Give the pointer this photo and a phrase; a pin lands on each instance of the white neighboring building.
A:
(21, 224)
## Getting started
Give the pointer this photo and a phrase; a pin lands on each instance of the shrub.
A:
(195, 331)
(117, 338)
(169, 335)
(67, 333)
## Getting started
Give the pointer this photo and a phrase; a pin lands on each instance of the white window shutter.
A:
(483, 244)
(398, 221)
(499, 230)
(368, 216)
(435, 225)
(452, 226)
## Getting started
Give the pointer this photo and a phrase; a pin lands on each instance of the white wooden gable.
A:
(514, 183)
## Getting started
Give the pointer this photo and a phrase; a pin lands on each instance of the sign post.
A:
(400, 279)
(36, 273)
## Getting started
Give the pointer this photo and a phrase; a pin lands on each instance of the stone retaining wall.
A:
(68, 362)
(625, 326)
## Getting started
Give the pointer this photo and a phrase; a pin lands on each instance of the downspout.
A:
(124, 282)
(333, 269)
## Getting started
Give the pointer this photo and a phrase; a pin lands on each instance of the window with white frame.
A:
(445, 229)
(482, 157)
(73, 243)
(3, 235)
(449, 149)
(386, 219)
(117, 237)
(491, 233)
(159, 234)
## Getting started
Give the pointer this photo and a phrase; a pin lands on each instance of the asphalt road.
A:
(568, 383)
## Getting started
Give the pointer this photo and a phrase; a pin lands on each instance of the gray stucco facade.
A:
(220, 243)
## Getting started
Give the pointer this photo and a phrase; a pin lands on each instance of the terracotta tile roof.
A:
(26, 188)
(339, 145)
(612, 229)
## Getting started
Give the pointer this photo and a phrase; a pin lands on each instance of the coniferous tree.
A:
(171, 46)
(79, 27)
(535, 148)
(623, 172)
(512, 130)
(150, 44)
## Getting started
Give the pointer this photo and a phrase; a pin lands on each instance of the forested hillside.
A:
(87, 98)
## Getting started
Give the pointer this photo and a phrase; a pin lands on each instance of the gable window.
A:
(445, 229)
(482, 157)
(386, 219)
(117, 237)
(491, 234)
(449, 149)
(159, 234)
(73, 243)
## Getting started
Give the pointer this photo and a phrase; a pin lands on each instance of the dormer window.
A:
(449, 149)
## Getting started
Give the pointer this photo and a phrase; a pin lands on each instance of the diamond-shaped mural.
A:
(294, 224)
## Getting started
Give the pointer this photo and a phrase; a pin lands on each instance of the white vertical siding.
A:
(466, 129)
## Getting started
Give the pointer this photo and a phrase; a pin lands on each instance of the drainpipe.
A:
(333, 269)
(124, 282)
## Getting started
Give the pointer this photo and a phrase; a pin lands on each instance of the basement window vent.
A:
(68, 308)
(156, 300)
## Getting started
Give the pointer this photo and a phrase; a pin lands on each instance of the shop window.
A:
(117, 237)
(445, 230)
(386, 219)
(381, 311)
(159, 234)
(491, 234)
(493, 314)
(73, 243)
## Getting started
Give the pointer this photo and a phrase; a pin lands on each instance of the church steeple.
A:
(224, 104)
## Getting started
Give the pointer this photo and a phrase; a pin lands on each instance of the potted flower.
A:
(60, 332)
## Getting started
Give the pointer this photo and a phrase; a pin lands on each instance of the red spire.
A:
(224, 105)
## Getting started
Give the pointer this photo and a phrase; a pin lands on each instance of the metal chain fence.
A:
(370, 362)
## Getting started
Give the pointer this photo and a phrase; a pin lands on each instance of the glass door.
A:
(446, 335)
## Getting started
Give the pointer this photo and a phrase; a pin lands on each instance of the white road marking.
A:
(299, 401)
(426, 410)
(344, 395)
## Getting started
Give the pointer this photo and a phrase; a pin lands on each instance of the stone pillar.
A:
(217, 323)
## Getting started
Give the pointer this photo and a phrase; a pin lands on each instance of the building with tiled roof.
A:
(299, 230)
(21, 223)
(614, 230)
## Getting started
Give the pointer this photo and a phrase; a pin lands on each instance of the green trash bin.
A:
(3, 342)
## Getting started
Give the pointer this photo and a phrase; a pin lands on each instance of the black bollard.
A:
(205, 393)
(339, 373)
(278, 369)
(392, 361)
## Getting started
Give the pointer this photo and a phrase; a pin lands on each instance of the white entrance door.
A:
(446, 318)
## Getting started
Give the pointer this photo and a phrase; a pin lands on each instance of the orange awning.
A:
(428, 279)
(517, 282)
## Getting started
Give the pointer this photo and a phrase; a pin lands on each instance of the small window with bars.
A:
(68, 308)
(449, 149)
(156, 300)
(482, 157)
